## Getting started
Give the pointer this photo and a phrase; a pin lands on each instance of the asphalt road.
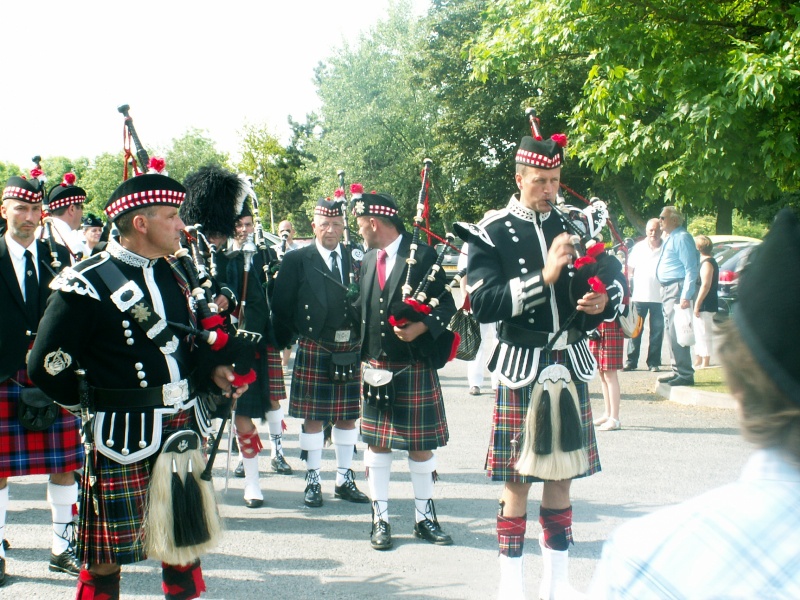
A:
(665, 453)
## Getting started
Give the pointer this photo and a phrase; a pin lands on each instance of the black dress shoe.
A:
(239, 470)
(313, 495)
(348, 490)
(280, 466)
(629, 368)
(381, 535)
(66, 562)
(431, 531)
(679, 381)
(253, 502)
(666, 378)
(2, 571)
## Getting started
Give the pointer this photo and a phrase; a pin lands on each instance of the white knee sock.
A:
(252, 488)
(275, 423)
(344, 441)
(379, 470)
(312, 443)
(422, 482)
(3, 508)
(62, 498)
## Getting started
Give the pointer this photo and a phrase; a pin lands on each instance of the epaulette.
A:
(73, 280)
(470, 233)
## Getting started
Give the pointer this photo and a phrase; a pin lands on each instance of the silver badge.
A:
(57, 361)
(357, 254)
(342, 335)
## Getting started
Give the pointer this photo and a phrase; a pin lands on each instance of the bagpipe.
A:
(417, 303)
(354, 250)
(47, 220)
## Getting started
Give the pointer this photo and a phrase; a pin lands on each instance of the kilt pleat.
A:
(417, 419)
(508, 422)
(255, 402)
(313, 395)
(117, 534)
(57, 449)
(608, 350)
(277, 389)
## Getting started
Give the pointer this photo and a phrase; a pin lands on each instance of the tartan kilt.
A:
(608, 350)
(117, 534)
(277, 389)
(255, 402)
(417, 420)
(57, 449)
(510, 409)
(313, 395)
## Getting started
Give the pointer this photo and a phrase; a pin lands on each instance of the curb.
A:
(694, 397)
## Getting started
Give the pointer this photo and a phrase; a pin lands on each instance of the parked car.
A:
(731, 254)
(450, 262)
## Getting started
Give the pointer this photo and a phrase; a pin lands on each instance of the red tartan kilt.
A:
(417, 420)
(116, 535)
(510, 409)
(608, 351)
(314, 395)
(277, 390)
(57, 449)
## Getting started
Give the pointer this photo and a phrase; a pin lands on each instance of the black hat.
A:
(91, 220)
(246, 211)
(329, 208)
(766, 312)
(542, 154)
(214, 199)
(24, 190)
(144, 190)
(65, 193)
(378, 205)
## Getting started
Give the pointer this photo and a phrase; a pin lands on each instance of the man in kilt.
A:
(519, 276)
(114, 316)
(253, 314)
(415, 420)
(25, 275)
(311, 302)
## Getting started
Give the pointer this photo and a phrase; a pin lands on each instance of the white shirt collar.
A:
(17, 250)
(393, 248)
(326, 254)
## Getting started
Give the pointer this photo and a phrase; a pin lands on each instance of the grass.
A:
(710, 380)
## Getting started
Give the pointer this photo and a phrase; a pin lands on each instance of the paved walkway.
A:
(666, 452)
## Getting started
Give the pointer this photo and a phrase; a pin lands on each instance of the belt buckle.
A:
(175, 393)
(561, 341)
(342, 335)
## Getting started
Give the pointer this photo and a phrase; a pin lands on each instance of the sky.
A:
(212, 65)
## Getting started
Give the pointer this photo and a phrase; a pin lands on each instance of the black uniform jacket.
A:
(507, 253)
(16, 332)
(370, 303)
(300, 302)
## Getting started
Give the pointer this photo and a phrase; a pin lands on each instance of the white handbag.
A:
(684, 330)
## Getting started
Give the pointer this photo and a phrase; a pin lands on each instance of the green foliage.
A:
(190, 152)
(707, 225)
(698, 103)
(101, 180)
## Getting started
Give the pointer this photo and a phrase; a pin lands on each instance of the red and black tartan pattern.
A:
(314, 395)
(508, 422)
(57, 449)
(277, 389)
(511, 535)
(182, 582)
(417, 419)
(608, 350)
(116, 535)
(556, 527)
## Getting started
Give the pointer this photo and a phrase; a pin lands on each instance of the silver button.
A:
(128, 333)
(515, 238)
(508, 223)
(522, 261)
(523, 270)
(138, 366)
(129, 341)
(143, 383)
(512, 230)
(126, 324)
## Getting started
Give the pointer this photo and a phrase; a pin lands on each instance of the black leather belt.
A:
(140, 399)
(519, 336)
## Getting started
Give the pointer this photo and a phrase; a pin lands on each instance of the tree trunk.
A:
(724, 216)
(633, 216)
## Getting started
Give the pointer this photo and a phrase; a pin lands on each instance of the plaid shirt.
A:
(738, 541)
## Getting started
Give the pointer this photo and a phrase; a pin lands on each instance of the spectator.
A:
(740, 540)
(706, 304)
(607, 352)
(677, 272)
(646, 296)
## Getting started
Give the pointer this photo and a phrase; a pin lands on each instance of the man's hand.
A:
(411, 331)
(222, 302)
(593, 303)
(560, 254)
(685, 304)
(223, 378)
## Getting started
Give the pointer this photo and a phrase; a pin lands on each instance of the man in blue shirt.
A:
(677, 272)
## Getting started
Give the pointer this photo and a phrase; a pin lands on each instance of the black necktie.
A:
(31, 288)
(335, 266)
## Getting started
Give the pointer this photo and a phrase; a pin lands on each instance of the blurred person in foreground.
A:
(739, 540)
